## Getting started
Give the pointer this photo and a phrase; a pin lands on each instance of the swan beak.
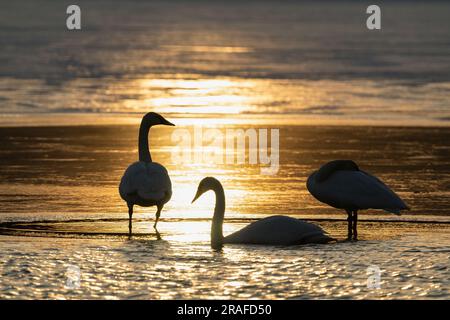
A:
(197, 195)
(167, 123)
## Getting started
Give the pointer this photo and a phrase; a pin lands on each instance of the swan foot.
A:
(158, 235)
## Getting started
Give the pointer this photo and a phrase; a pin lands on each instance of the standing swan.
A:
(146, 183)
(274, 230)
(342, 185)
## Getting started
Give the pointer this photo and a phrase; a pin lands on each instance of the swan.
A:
(273, 230)
(341, 184)
(146, 183)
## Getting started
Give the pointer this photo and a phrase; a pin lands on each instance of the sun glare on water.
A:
(197, 96)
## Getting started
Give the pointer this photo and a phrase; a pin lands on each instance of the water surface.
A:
(309, 69)
(412, 259)
(299, 60)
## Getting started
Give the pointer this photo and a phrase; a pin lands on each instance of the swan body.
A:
(146, 183)
(341, 184)
(278, 230)
(273, 230)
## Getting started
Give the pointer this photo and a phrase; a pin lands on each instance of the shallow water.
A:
(74, 172)
(66, 175)
(413, 260)
(262, 64)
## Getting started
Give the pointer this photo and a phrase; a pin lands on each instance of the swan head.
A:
(153, 119)
(208, 183)
(336, 165)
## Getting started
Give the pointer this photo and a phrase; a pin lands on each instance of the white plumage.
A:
(342, 185)
(274, 230)
(279, 230)
(357, 190)
(146, 183)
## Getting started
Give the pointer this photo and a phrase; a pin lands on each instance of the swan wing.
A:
(148, 180)
(279, 230)
(356, 190)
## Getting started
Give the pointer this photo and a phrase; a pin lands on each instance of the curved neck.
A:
(144, 151)
(217, 220)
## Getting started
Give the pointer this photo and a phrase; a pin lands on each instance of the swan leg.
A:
(355, 220)
(158, 213)
(130, 216)
(349, 220)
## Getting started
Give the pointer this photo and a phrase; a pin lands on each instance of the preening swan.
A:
(274, 230)
(342, 185)
(146, 183)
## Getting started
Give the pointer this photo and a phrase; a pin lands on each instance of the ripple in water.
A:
(411, 257)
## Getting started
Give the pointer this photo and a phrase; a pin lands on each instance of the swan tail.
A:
(318, 238)
(397, 211)
(397, 206)
(393, 211)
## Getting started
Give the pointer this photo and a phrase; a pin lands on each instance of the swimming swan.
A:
(146, 183)
(342, 185)
(274, 230)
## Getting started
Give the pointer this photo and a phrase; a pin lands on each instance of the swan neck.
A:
(144, 151)
(217, 221)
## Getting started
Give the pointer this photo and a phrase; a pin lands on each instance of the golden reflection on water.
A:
(74, 172)
(209, 49)
(295, 100)
(258, 100)
(195, 96)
